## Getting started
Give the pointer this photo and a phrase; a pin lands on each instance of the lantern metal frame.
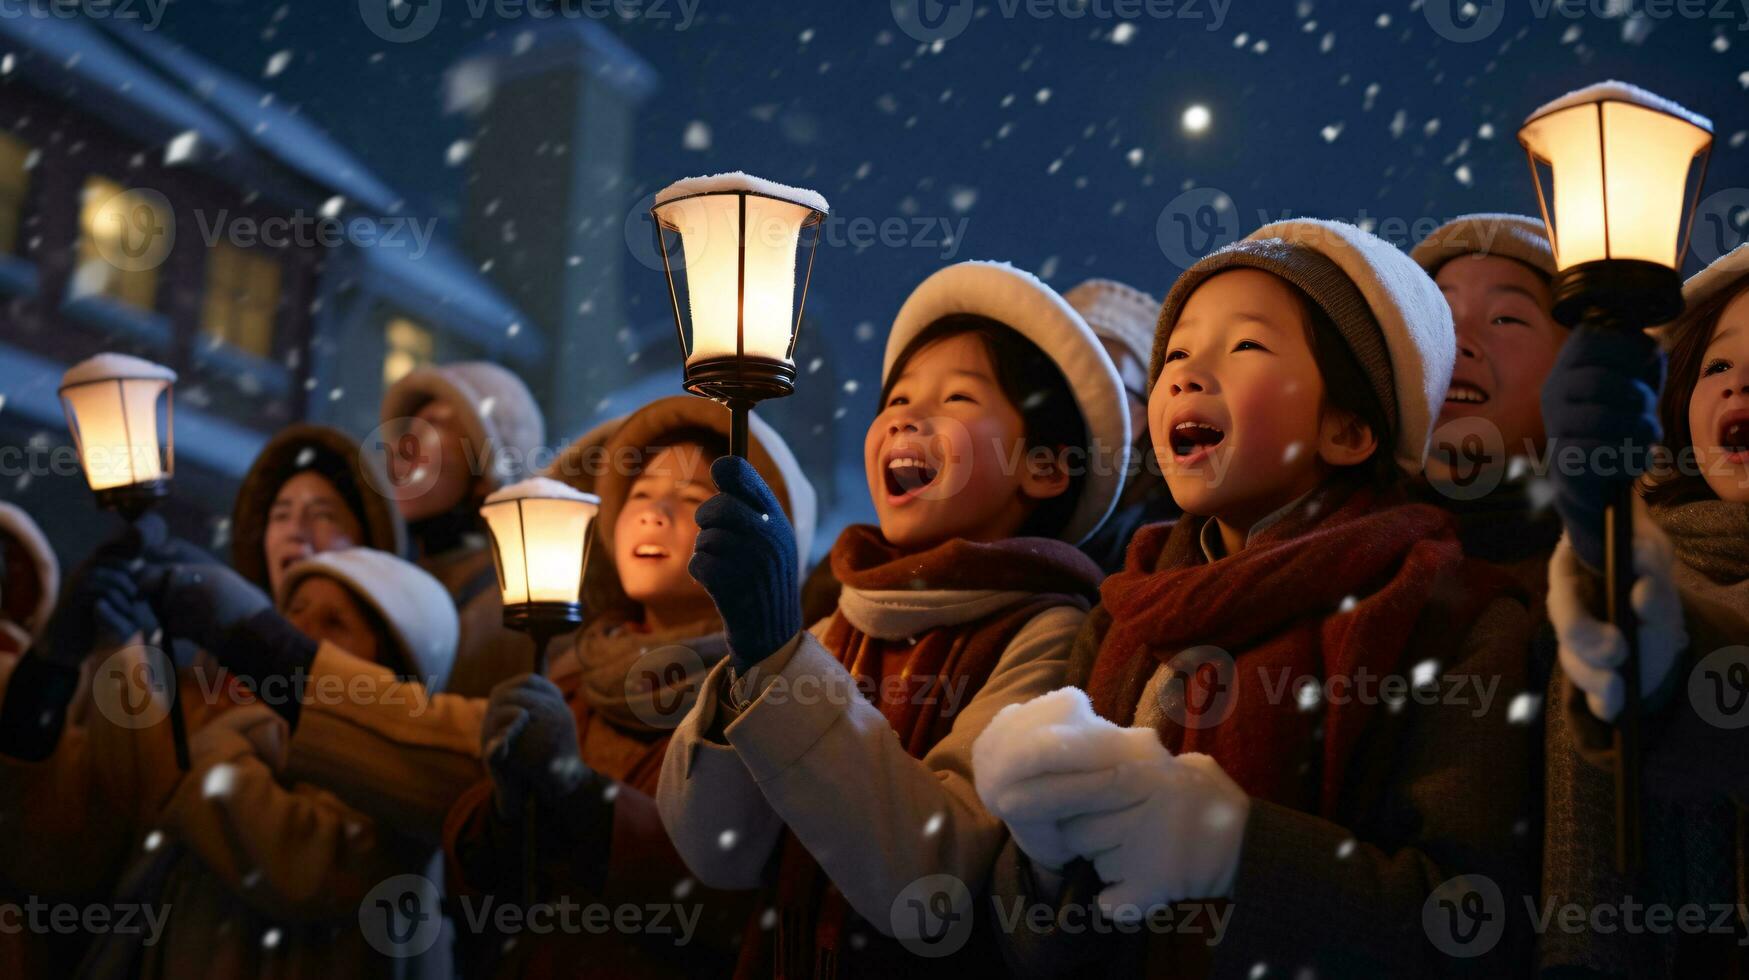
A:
(133, 499)
(1619, 294)
(1633, 290)
(542, 620)
(739, 380)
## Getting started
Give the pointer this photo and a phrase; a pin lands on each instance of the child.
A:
(1296, 377)
(1692, 600)
(1123, 319)
(310, 490)
(616, 692)
(454, 433)
(1494, 270)
(832, 766)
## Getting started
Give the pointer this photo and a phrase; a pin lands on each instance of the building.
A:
(153, 204)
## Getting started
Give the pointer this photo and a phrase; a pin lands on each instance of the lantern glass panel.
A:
(121, 428)
(540, 545)
(711, 237)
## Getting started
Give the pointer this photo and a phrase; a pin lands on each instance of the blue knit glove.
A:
(1602, 394)
(746, 559)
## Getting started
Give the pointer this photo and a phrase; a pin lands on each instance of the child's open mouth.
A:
(649, 551)
(1192, 440)
(908, 476)
(1734, 435)
(1466, 394)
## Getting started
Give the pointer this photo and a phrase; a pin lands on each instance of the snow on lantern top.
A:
(540, 535)
(111, 402)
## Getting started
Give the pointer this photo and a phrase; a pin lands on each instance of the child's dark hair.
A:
(1686, 341)
(714, 443)
(1347, 389)
(1037, 389)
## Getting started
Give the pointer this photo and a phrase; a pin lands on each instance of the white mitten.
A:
(1591, 649)
(1157, 831)
(1054, 733)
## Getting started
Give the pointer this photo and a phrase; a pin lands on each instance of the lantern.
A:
(1619, 159)
(739, 238)
(119, 410)
(540, 543)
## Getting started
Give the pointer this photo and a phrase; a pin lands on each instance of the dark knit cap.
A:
(1313, 274)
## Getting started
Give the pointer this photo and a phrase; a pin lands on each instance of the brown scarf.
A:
(1333, 590)
(942, 669)
(609, 647)
(1710, 536)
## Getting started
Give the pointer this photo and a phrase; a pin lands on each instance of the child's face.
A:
(323, 610)
(432, 465)
(656, 529)
(308, 516)
(1718, 411)
(1506, 341)
(946, 457)
(1237, 415)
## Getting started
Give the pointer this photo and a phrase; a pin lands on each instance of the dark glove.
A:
(529, 743)
(1602, 396)
(746, 559)
(205, 603)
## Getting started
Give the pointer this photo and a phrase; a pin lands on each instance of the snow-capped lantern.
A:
(119, 411)
(540, 543)
(740, 237)
(1620, 160)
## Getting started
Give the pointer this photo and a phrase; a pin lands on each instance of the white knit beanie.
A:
(1020, 301)
(415, 606)
(497, 411)
(1122, 314)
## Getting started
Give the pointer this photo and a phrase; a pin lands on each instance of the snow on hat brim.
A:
(415, 606)
(1724, 275)
(1119, 313)
(18, 525)
(1020, 301)
(1410, 313)
(277, 462)
(1509, 236)
(498, 413)
(767, 451)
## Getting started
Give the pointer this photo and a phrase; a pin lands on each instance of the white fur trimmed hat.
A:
(496, 408)
(1119, 313)
(415, 606)
(1019, 300)
(1509, 236)
(19, 528)
(1724, 273)
(1388, 310)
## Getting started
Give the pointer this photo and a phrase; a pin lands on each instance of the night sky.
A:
(1055, 142)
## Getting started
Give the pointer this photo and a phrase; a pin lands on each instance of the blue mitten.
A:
(1601, 395)
(746, 559)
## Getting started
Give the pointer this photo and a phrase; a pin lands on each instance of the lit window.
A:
(242, 298)
(14, 183)
(408, 346)
(123, 237)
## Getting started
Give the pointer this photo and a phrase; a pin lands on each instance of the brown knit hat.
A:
(1319, 278)
(334, 455)
(1510, 236)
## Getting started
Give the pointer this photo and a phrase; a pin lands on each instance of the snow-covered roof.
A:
(1614, 91)
(440, 286)
(541, 487)
(112, 367)
(738, 181)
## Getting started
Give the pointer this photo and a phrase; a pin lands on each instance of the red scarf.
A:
(947, 665)
(1277, 608)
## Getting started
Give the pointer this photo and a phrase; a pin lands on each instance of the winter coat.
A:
(760, 760)
(1359, 814)
(1696, 783)
(626, 688)
(30, 579)
(1506, 528)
